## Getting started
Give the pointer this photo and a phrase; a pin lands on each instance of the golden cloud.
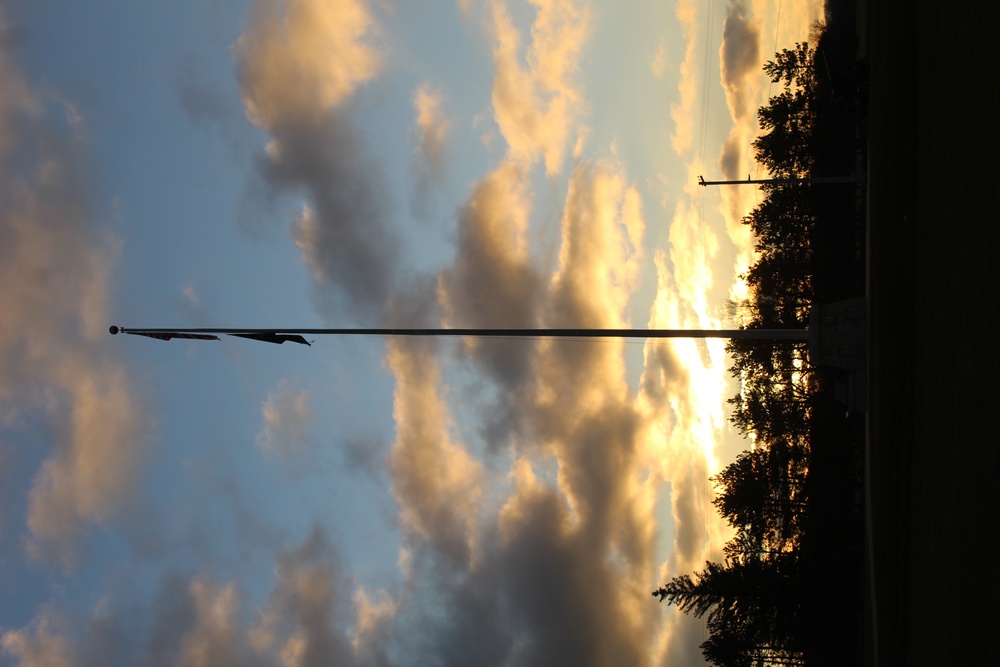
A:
(682, 111)
(492, 282)
(538, 106)
(286, 415)
(54, 356)
(298, 64)
(41, 646)
(216, 638)
(301, 59)
(437, 483)
(432, 124)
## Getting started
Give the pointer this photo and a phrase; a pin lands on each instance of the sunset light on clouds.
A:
(309, 163)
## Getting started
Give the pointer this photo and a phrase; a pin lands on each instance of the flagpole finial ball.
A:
(113, 330)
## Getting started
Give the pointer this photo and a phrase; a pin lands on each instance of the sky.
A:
(315, 163)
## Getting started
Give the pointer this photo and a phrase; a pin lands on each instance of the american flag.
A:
(173, 334)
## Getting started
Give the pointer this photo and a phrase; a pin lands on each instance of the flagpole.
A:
(801, 335)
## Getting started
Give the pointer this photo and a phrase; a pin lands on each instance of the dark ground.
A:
(934, 322)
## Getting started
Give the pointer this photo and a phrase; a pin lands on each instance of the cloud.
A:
(693, 247)
(559, 570)
(602, 229)
(298, 622)
(492, 282)
(740, 71)
(55, 355)
(432, 127)
(94, 469)
(299, 65)
(583, 413)
(299, 60)
(739, 58)
(190, 308)
(215, 639)
(287, 416)
(202, 101)
(196, 621)
(681, 398)
(682, 111)
(437, 484)
(569, 602)
(658, 65)
(538, 106)
(430, 144)
(41, 646)
(663, 371)
(209, 104)
(191, 295)
(374, 617)
(363, 454)
(560, 574)
(541, 594)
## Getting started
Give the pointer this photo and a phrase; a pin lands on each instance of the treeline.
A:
(789, 587)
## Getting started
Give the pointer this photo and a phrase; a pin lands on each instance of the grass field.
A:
(935, 377)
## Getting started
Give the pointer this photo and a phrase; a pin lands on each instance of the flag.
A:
(271, 337)
(168, 335)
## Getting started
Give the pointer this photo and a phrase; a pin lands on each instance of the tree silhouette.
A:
(760, 494)
(784, 146)
(749, 602)
(757, 610)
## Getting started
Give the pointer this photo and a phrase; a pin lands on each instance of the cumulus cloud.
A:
(740, 71)
(56, 272)
(215, 638)
(40, 646)
(374, 615)
(557, 573)
(582, 412)
(203, 101)
(430, 139)
(299, 60)
(561, 572)
(209, 104)
(542, 595)
(693, 247)
(739, 58)
(662, 368)
(196, 621)
(537, 102)
(437, 484)
(682, 111)
(299, 622)
(94, 468)
(432, 127)
(190, 307)
(299, 65)
(492, 282)
(658, 65)
(573, 604)
(287, 416)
